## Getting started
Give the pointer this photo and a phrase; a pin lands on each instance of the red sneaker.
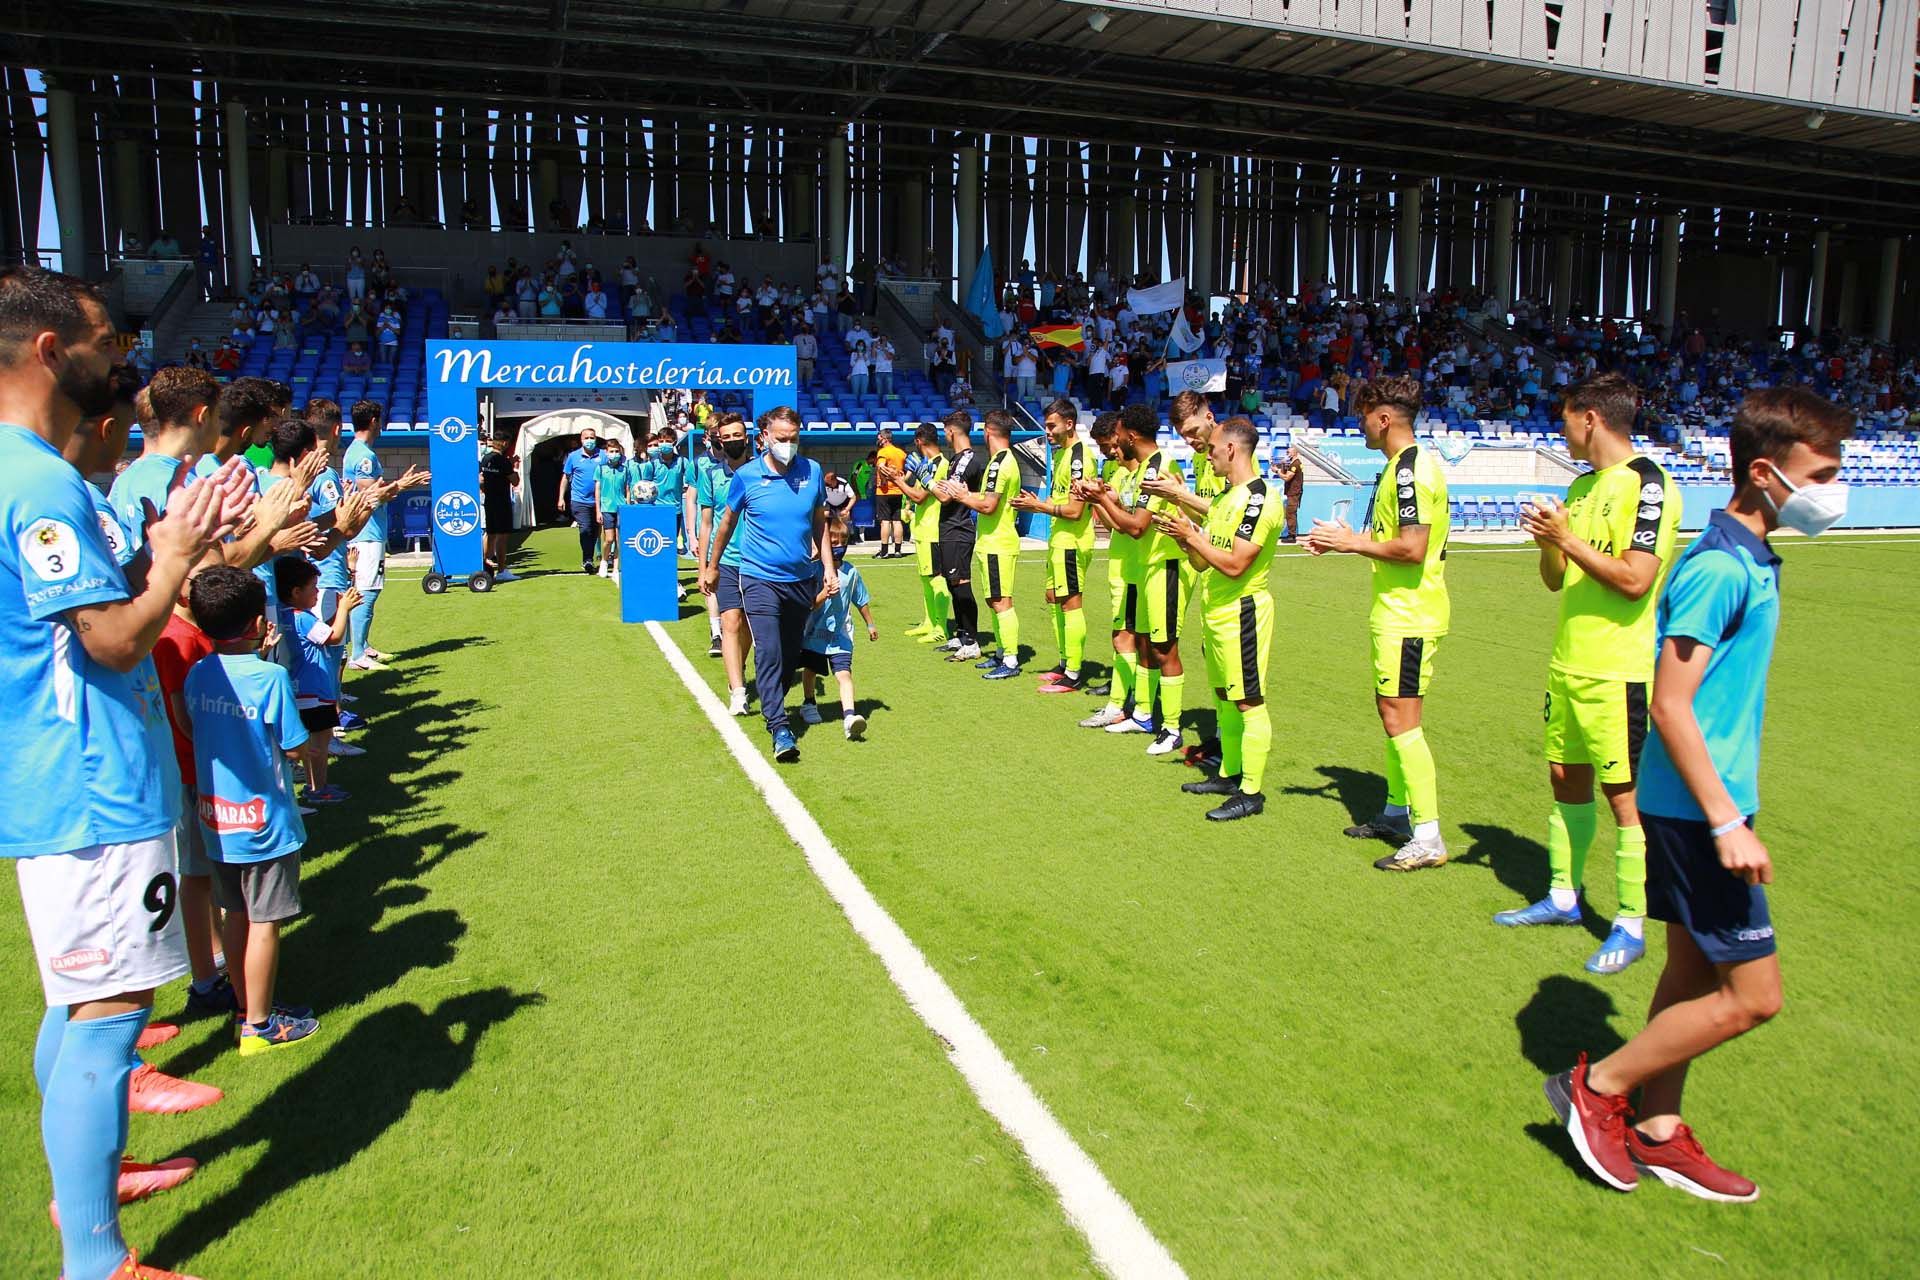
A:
(156, 1034)
(131, 1268)
(1597, 1123)
(138, 1181)
(1683, 1164)
(150, 1092)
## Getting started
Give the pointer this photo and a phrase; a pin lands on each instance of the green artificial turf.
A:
(585, 1011)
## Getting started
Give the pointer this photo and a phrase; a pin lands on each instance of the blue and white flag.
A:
(1204, 376)
(980, 300)
(1161, 297)
(1182, 338)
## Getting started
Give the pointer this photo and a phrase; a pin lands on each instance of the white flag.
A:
(1162, 297)
(1183, 337)
(1197, 375)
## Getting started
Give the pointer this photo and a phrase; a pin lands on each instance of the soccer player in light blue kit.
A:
(360, 466)
(182, 423)
(88, 818)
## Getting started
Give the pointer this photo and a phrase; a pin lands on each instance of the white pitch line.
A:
(1122, 1245)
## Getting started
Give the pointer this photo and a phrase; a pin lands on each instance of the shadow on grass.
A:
(1519, 863)
(1565, 1018)
(360, 1086)
(1360, 793)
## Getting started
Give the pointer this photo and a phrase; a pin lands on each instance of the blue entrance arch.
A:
(457, 372)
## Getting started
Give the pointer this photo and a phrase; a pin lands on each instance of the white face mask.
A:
(1810, 509)
(783, 451)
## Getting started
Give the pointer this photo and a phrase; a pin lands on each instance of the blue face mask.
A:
(614, 458)
(664, 453)
(589, 447)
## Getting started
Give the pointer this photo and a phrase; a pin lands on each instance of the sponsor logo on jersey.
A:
(223, 816)
(83, 958)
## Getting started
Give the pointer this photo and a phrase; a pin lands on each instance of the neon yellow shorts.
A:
(926, 557)
(1596, 722)
(1403, 665)
(1067, 571)
(1238, 639)
(993, 573)
(1161, 599)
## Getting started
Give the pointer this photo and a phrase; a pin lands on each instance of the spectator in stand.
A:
(359, 324)
(357, 361)
(806, 350)
(380, 277)
(197, 356)
(549, 300)
(356, 274)
(882, 353)
(164, 246)
(859, 366)
(700, 266)
(960, 394)
(595, 301)
(286, 333)
(226, 357)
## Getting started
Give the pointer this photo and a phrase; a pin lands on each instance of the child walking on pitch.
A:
(828, 643)
(1699, 793)
(316, 641)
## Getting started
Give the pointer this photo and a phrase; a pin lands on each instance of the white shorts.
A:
(105, 920)
(369, 566)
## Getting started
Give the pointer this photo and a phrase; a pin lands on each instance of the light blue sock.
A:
(83, 1125)
(46, 1050)
(359, 622)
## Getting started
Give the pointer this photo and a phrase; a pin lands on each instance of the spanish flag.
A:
(1072, 336)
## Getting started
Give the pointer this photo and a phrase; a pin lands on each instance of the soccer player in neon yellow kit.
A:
(926, 468)
(1069, 543)
(997, 540)
(1605, 552)
(1407, 541)
(1234, 550)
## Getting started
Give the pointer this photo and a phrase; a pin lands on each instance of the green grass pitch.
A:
(586, 1013)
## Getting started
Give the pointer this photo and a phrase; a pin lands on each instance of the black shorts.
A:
(324, 716)
(956, 559)
(499, 512)
(1687, 886)
(825, 663)
(886, 506)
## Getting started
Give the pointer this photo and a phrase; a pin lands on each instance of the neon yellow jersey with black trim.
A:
(999, 530)
(1075, 462)
(1252, 511)
(1630, 506)
(1411, 599)
(1207, 483)
(1125, 548)
(923, 525)
(1156, 546)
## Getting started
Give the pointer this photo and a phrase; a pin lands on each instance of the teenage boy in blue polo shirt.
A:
(1698, 797)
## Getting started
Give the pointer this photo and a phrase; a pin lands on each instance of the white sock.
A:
(1114, 708)
(1635, 925)
(1426, 831)
(1564, 899)
(1073, 673)
(1007, 659)
(1395, 811)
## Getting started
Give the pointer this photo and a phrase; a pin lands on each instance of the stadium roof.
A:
(934, 68)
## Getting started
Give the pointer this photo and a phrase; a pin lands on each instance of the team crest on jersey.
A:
(52, 549)
(1652, 492)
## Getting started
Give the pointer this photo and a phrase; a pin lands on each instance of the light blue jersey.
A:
(1723, 592)
(316, 656)
(146, 479)
(830, 625)
(613, 483)
(325, 494)
(244, 721)
(669, 478)
(775, 511)
(361, 465)
(581, 471)
(79, 770)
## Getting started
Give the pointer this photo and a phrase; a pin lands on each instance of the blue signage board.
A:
(457, 372)
(649, 564)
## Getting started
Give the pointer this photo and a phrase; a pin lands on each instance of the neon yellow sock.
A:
(1416, 766)
(1255, 741)
(1149, 691)
(1059, 620)
(1173, 696)
(1009, 632)
(1630, 870)
(1396, 779)
(926, 603)
(1126, 678)
(1570, 829)
(1074, 622)
(1232, 726)
(941, 603)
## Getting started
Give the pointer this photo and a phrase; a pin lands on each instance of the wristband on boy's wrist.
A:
(1727, 828)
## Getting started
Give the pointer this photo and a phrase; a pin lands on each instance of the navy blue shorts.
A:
(1687, 886)
(823, 663)
(726, 592)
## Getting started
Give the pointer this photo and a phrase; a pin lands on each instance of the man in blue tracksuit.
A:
(775, 510)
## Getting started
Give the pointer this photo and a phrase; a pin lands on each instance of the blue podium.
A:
(649, 564)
